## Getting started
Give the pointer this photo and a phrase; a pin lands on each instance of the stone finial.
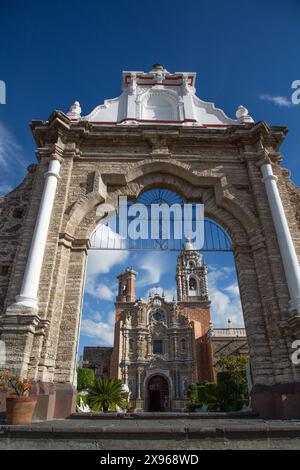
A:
(74, 111)
(158, 67)
(242, 114)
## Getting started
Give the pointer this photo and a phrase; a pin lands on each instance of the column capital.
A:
(81, 244)
(57, 152)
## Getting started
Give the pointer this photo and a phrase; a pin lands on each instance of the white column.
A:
(139, 384)
(287, 249)
(30, 285)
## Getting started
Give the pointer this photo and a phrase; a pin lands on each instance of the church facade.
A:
(161, 347)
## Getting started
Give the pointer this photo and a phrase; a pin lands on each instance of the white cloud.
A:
(102, 261)
(233, 289)
(153, 268)
(10, 150)
(226, 301)
(99, 326)
(100, 291)
(278, 100)
(104, 332)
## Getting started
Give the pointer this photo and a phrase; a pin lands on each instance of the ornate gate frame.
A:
(81, 166)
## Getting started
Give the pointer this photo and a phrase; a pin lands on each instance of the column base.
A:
(54, 400)
(65, 400)
(24, 301)
(139, 404)
(281, 401)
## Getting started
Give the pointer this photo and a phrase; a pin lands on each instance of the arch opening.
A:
(158, 393)
(215, 289)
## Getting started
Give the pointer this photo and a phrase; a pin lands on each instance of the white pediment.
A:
(159, 97)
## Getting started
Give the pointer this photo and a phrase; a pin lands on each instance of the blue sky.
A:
(52, 53)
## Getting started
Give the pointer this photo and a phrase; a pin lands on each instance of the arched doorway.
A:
(158, 393)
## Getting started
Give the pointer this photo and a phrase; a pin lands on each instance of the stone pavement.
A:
(153, 431)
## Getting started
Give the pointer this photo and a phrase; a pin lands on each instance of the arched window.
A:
(131, 345)
(183, 344)
(192, 284)
(191, 264)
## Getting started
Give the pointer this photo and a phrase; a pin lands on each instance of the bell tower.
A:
(126, 294)
(191, 275)
(193, 301)
(126, 291)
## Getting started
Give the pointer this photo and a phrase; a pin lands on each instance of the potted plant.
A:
(19, 405)
(106, 394)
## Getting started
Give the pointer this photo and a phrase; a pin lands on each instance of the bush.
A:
(229, 393)
(85, 378)
(192, 392)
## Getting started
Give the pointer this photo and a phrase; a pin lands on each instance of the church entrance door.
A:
(158, 392)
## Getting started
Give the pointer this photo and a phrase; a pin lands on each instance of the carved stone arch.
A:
(220, 202)
(224, 195)
(162, 373)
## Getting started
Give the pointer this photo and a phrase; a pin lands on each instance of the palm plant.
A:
(106, 393)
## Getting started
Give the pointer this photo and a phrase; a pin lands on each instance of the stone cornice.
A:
(74, 244)
(83, 131)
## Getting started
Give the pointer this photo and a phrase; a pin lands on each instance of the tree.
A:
(232, 382)
(106, 393)
(85, 378)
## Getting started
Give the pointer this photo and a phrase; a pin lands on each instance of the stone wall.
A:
(97, 358)
(13, 210)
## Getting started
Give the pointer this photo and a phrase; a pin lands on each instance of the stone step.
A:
(166, 415)
(184, 434)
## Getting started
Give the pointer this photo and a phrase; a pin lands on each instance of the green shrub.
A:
(85, 378)
(106, 395)
(229, 393)
(192, 392)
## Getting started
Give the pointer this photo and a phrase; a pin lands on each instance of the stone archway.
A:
(221, 169)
